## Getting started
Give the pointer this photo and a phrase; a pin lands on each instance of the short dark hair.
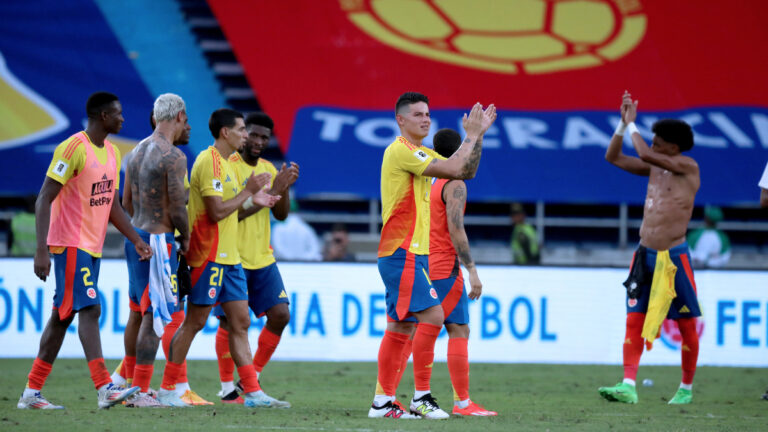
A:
(222, 117)
(409, 98)
(97, 103)
(152, 122)
(446, 142)
(676, 132)
(259, 118)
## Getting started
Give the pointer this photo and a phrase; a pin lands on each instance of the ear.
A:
(400, 119)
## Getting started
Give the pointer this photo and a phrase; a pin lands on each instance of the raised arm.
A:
(49, 191)
(455, 197)
(614, 152)
(464, 162)
(677, 164)
(177, 196)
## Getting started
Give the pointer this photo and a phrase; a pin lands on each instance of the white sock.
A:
(28, 392)
(118, 379)
(461, 403)
(256, 393)
(381, 400)
(182, 388)
(103, 387)
(417, 394)
(688, 387)
(629, 381)
(227, 387)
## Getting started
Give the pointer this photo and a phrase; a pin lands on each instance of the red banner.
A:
(522, 54)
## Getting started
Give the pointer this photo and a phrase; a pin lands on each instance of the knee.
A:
(193, 324)
(90, 313)
(458, 331)
(279, 317)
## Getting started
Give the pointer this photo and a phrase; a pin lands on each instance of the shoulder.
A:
(267, 166)
(69, 147)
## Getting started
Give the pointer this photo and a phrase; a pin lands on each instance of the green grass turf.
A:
(336, 397)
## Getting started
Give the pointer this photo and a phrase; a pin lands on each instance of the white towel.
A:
(160, 288)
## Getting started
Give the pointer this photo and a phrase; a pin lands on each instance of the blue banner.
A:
(555, 156)
(53, 55)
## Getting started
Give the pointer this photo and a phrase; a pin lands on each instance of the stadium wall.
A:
(526, 315)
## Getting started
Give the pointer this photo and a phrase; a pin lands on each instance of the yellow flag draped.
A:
(662, 293)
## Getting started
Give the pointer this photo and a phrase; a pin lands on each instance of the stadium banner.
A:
(525, 315)
(556, 69)
(49, 64)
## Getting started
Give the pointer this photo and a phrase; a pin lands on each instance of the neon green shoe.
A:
(682, 397)
(621, 392)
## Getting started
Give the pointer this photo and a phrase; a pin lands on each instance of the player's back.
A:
(148, 173)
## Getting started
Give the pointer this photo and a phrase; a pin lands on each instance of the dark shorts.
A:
(686, 304)
(215, 283)
(408, 287)
(265, 290)
(138, 274)
(77, 276)
(453, 297)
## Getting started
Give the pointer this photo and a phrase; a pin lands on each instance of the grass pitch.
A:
(336, 397)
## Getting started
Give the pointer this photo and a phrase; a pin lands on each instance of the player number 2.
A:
(86, 274)
(216, 275)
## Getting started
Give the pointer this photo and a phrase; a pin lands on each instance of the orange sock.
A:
(183, 373)
(267, 344)
(226, 364)
(633, 344)
(406, 354)
(248, 378)
(170, 329)
(39, 373)
(99, 372)
(129, 364)
(143, 376)
(690, 348)
(390, 352)
(458, 367)
(424, 354)
(170, 375)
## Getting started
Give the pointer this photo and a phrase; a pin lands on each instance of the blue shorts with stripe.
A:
(138, 273)
(453, 296)
(214, 283)
(265, 290)
(77, 276)
(407, 283)
(686, 304)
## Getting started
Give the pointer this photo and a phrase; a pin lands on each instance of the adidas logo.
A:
(685, 309)
(104, 177)
(283, 294)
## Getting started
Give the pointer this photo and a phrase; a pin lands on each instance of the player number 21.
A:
(216, 275)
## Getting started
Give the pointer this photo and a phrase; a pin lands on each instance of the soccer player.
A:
(217, 275)
(266, 293)
(156, 195)
(663, 255)
(404, 245)
(124, 372)
(75, 203)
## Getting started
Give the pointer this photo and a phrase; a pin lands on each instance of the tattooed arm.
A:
(455, 197)
(177, 211)
(464, 162)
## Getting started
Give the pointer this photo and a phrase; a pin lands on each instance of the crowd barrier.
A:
(525, 315)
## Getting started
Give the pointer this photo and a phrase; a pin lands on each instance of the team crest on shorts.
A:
(212, 292)
(632, 302)
(433, 293)
(91, 293)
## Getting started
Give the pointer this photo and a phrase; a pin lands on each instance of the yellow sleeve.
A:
(118, 162)
(66, 161)
(186, 180)
(210, 184)
(412, 161)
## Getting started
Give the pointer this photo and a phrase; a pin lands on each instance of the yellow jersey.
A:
(405, 198)
(254, 231)
(212, 175)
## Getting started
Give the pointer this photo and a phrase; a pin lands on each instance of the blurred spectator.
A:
(337, 247)
(710, 247)
(23, 235)
(525, 242)
(294, 240)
